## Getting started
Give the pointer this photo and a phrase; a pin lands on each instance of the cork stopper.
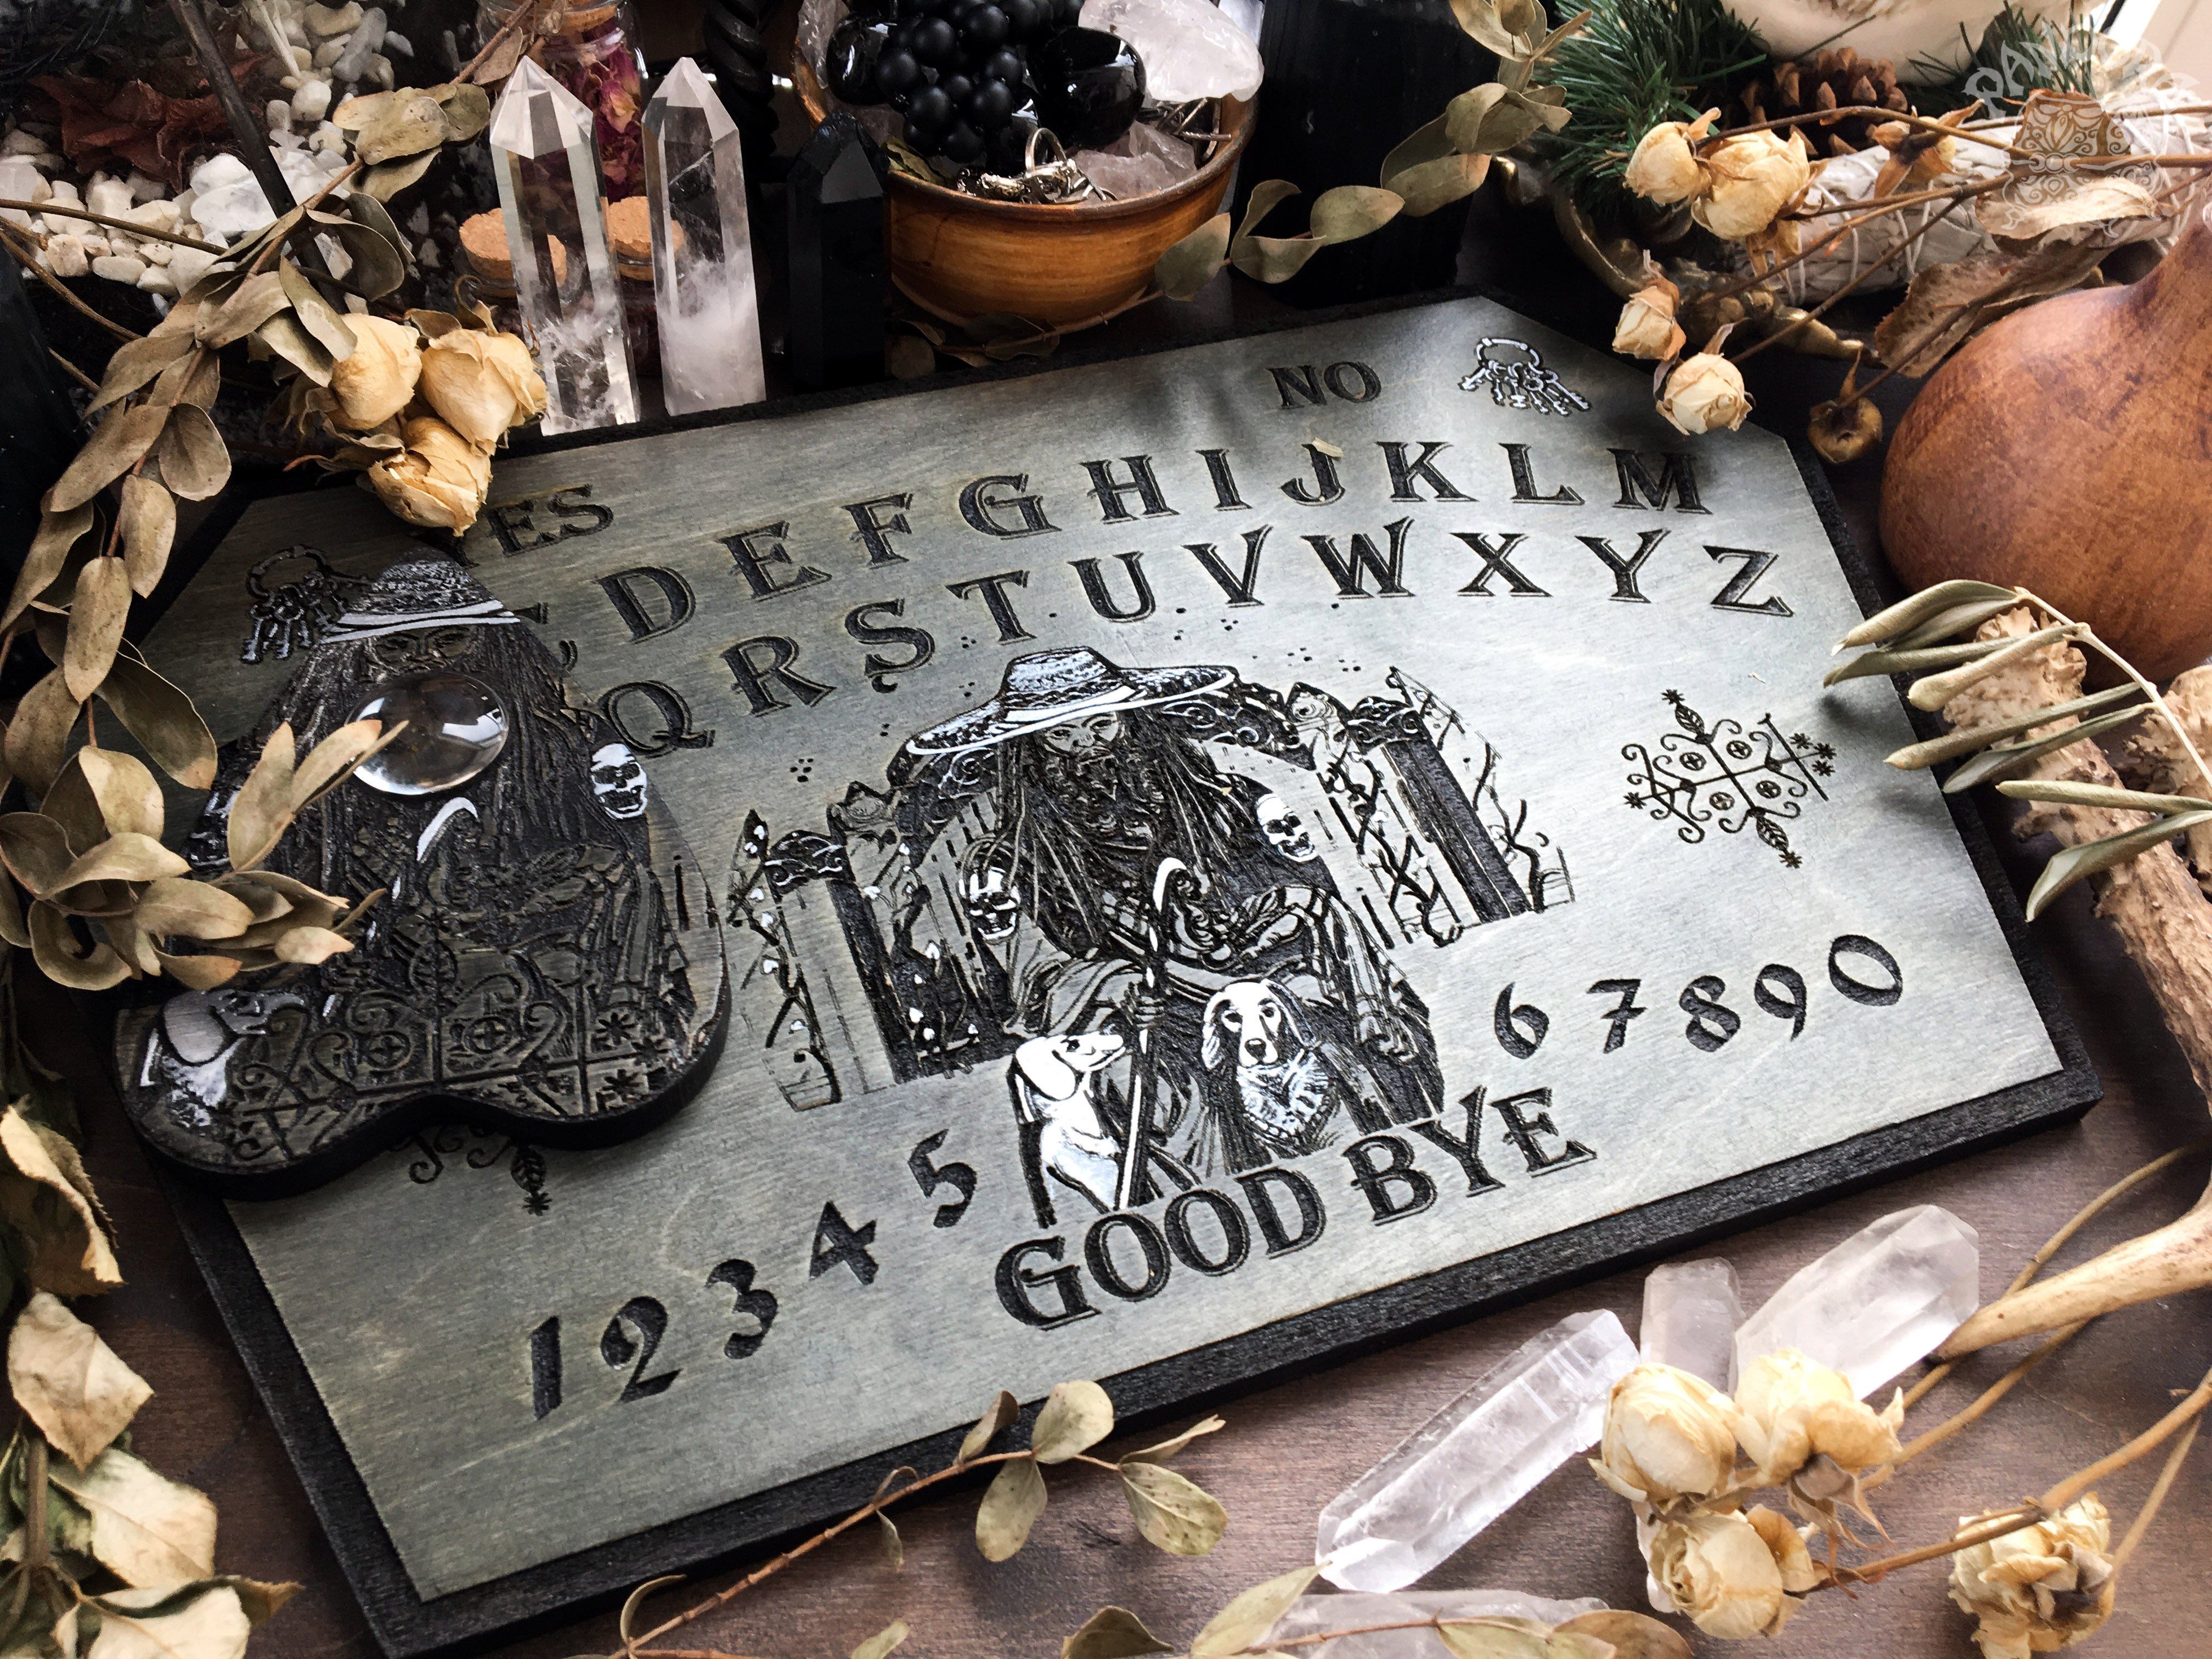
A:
(483, 245)
(629, 233)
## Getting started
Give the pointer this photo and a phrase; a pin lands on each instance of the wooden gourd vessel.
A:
(2069, 449)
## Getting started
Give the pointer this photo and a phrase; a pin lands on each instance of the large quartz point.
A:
(1691, 1310)
(702, 248)
(1887, 1295)
(1190, 48)
(549, 194)
(1476, 1458)
(1309, 1615)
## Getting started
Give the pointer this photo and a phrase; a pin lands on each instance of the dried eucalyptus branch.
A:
(1171, 1512)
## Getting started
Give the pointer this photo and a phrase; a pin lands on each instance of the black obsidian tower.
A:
(834, 203)
(1347, 81)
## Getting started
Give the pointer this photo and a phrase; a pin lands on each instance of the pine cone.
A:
(1835, 79)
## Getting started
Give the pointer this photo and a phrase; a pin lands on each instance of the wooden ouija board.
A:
(1376, 769)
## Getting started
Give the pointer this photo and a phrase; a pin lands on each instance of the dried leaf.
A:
(467, 109)
(252, 303)
(118, 794)
(61, 1237)
(1947, 302)
(97, 614)
(1958, 619)
(499, 63)
(1112, 1633)
(1011, 1505)
(1632, 1635)
(263, 805)
(321, 319)
(205, 1621)
(893, 1546)
(407, 127)
(194, 463)
(637, 1599)
(67, 960)
(1075, 1417)
(1194, 261)
(284, 335)
(1266, 195)
(162, 720)
(2006, 759)
(388, 180)
(1909, 662)
(1488, 120)
(200, 973)
(1937, 690)
(883, 1641)
(1951, 745)
(1432, 184)
(196, 910)
(2074, 863)
(57, 533)
(194, 379)
(70, 1383)
(332, 760)
(1252, 1614)
(35, 849)
(120, 444)
(126, 857)
(38, 737)
(149, 528)
(2102, 795)
(1168, 1448)
(1490, 1638)
(1176, 1514)
(1003, 1410)
(149, 1531)
(13, 927)
(365, 109)
(1352, 210)
(260, 1600)
(311, 944)
(135, 363)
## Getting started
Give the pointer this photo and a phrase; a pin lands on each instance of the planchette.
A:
(543, 959)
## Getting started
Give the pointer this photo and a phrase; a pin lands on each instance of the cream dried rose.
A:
(481, 383)
(1668, 1435)
(1664, 167)
(1795, 1409)
(438, 481)
(377, 379)
(2040, 1589)
(1703, 394)
(1753, 176)
(1720, 1572)
(1647, 327)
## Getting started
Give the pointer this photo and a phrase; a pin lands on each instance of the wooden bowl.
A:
(1066, 265)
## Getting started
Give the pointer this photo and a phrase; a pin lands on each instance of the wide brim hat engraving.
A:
(539, 963)
(1054, 688)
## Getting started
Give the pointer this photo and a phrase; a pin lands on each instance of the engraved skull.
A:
(993, 903)
(1285, 830)
(618, 780)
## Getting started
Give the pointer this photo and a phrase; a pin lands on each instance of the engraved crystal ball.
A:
(456, 726)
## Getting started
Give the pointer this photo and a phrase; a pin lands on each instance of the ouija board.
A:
(1223, 858)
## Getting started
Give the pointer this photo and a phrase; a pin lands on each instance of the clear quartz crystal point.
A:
(1476, 1458)
(1887, 1295)
(702, 248)
(1309, 1615)
(1691, 1310)
(556, 236)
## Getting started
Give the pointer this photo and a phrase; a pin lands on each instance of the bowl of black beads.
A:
(1030, 176)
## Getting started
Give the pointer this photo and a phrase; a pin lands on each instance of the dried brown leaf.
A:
(880, 1644)
(102, 606)
(1001, 1412)
(407, 127)
(129, 856)
(329, 763)
(64, 958)
(467, 108)
(262, 806)
(284, 335)
(387, 179)
(57, 533)
(1011, 1505)
(35, 849)
(309, 945)
(194, 463)
(13, 927)
(321, 319)
(1075, 1417)
(38, 737)
(1947, 302)
(120, 444)
(68, 1381)
(200, 973)
(1492, 1638)
(1196, 260)
(195, 910)
(103, 791)
(149, 528)
(1112, 1633)
(162, 720)
(1632, 1635)
(623, 1625)
(1168, 1448)
(49, 1203)
(252, 303)
(135, 363)
(193, 380)
(147, 1529)
(1172, 1512)
(1252, 1614)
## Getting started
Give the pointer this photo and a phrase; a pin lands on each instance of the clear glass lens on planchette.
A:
(456, 726)
(1476, 1458)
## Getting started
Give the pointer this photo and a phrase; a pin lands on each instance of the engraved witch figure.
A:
(1134, 891)
(544, 953)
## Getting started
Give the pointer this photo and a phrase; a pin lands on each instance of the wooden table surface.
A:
(1289, 1449)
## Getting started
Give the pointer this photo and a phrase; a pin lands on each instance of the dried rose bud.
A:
(2040, 1589)
(1797, 1409)
(439, 481)
(377, 379)
(1647, 327)
(481, 383)
(1720, 1572)
(1844, 431)
(1664, 167)
(1754, 176)
(1668, 1435)
(1705, 393)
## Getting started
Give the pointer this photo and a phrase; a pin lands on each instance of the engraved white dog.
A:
(1054, 1082)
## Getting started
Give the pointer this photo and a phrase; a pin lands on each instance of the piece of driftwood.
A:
(2155, 905)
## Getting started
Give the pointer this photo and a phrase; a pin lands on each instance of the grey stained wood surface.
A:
(1289, 1448)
